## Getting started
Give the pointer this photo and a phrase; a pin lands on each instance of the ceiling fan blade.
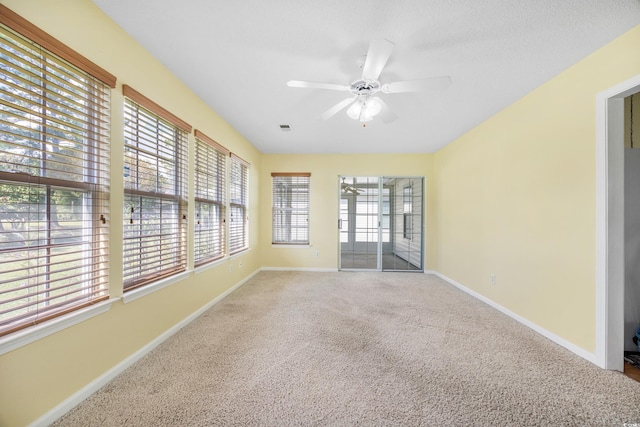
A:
(338, 107)
(386, 114)
(431, 83)
(315, 85)
(377, 57)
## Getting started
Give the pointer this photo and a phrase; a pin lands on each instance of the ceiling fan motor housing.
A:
(365, 87)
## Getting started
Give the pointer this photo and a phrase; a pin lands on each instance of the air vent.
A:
(285, 128)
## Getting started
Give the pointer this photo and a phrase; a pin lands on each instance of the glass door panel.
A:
(405, 251)
(359, 230)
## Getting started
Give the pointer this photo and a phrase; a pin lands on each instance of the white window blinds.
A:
(155, 191)
(210, 199)
(238, 199)
(290, 209)
(54, 177)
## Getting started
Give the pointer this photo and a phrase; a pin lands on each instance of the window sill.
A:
(34, 333)
(204, 267)
(153, 287)
(239, 253)
(290, 246)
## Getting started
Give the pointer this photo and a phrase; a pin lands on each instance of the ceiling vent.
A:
(285, 128)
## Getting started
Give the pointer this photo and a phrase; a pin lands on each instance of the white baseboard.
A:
(321, 270)
(591, 357)
(103, 379)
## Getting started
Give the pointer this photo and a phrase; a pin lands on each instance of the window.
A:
(54, 134)
(210, 212)
(155, 191)
(407, 204)
(290, 219)
(407, 201)
(238, 199)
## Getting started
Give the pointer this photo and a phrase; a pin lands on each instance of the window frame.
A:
(72, 133)
(238, 242)
(154, 118)
(202, 197)
(282, 211)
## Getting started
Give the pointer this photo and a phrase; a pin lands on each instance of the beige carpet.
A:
(358, 349)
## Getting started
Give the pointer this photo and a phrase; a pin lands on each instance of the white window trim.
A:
(202, 268)
(34, 333)
(243, 252)
(152, 287)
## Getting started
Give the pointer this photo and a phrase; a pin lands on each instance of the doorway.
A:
(610, 221)
(631, 234)
(380, 223)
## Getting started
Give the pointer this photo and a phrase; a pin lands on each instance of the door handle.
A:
(340, 224)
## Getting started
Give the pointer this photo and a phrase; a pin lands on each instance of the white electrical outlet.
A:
(230, 268)
(493, 279)
(317, 253)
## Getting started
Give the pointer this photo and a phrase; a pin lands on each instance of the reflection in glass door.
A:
(380, 223)
(404, 253)
(359, 231)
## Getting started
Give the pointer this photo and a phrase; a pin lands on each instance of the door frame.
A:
(351, 200)
(610, 224)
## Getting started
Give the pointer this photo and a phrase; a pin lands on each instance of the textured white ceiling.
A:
(237, 55)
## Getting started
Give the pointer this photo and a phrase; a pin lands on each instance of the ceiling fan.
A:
(346, 188)
(363, 103)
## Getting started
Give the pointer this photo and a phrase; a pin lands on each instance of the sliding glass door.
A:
(359, 231)
(405, 225)
(380, 223)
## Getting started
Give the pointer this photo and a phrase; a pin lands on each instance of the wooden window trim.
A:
(145, 280)
(280, 212)
(239, 159)
(300, 174)
(145, 102)
(202, 137)
(205, 261)
(25, 28)
(54, 315)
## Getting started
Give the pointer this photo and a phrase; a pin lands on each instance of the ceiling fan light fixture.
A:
(365, 117)
(354, 111)
(364, 109)
(373, 106)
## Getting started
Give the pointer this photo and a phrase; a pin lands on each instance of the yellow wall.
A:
(323, 215)
(516, 197)
(37, 377)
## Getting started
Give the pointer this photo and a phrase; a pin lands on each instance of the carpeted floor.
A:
(358, 348)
